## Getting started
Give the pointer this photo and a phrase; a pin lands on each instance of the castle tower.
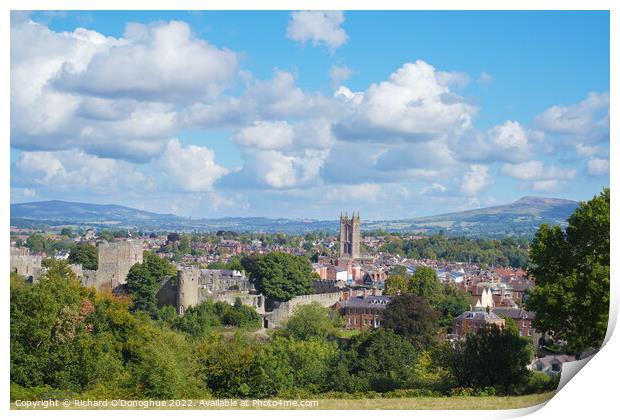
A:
(350, 236)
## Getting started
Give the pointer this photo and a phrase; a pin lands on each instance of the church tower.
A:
(350, 236)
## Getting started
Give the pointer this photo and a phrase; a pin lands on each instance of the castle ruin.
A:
(195, 285)
(115, 261)
(26, 264)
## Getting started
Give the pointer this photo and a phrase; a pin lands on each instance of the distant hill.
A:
(519, 218)
(65, 211)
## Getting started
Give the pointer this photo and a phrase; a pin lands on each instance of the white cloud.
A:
(598, 167)
(161, 61)
(276, 99)
(536, 170)
(29, 192)
(475, 180)
(317, 26)
(74, 170)
(266, 135)
(435, 188)
(455, 78)
(191, 168)
(338, 74)
(485, 78)
(51, 112)
(413, 105)
(507, 142)
(591, 114)
(37, 55)
(354, 193)
(510, 138)
(548, 185)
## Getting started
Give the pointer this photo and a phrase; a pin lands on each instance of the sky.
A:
(305, 114)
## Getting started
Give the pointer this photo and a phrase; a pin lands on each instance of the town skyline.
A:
(286, 124)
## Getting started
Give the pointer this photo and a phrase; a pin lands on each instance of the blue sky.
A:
(305, 114)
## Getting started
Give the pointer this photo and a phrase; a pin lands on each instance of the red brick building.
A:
(363, 311)
(474, 321)
(523, 319)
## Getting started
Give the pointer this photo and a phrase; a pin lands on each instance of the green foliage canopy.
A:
(571, 271)
(280, 276)
(85, 254)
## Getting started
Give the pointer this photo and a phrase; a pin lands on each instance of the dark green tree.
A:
(453, 302)
(378, 360)
(68, 232)
(491, 357)
(410, 316)
(143, 282)
(571, 272)
(280, 276)
(85, 254)
(106, 235)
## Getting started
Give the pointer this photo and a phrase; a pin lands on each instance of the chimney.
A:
(374, 291)
(488, 309)
(470, 308)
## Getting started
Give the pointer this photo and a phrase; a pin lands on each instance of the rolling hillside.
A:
(519, 218)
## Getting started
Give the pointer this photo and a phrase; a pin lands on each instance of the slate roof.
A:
(515, 313)
(366, 302)
(478, 315)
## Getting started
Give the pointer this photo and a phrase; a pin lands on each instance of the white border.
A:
(591, 395)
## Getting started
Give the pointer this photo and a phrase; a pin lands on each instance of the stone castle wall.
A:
(115, 260)
(281, 314)
(195, 285)
(255, 301)
(25, 264)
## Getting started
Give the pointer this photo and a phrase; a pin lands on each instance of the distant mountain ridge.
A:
(521, 217)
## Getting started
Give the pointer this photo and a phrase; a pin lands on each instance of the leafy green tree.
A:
(378, 360)
(571, 271)
(425, 283)
(38, 243)
(397, 284)
(280, 276)
(85, 254)
(185, 245)
(143, 282)
(410, 316)
(106, 235)
(230, 368)
(297, 364)
(490, 358)
(312, 321)
(52, 339)
(68, 232)
(453, 302)
(160, 363)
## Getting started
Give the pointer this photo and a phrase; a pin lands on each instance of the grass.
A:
(420, 403)
(342, 333)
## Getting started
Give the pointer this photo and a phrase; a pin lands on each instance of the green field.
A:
(421, 403)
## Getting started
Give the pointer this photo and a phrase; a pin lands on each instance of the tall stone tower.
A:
(350, 236)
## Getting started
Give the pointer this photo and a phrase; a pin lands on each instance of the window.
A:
(555, 367)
